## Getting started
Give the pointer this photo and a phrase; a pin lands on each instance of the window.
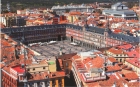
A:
(120, 60)
(33, 68)
(129, 14)
(44, 67)
(117, 15)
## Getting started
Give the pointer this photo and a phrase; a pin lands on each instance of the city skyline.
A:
(77, 45)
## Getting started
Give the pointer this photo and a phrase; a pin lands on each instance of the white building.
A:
(121, 11)
(85, 70)
(81, 8)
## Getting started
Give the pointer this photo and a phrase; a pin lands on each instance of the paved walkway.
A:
(54, 49)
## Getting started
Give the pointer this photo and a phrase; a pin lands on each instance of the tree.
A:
(5, 11)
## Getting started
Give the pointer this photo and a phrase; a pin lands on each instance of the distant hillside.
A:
(21, 4)
(58, 1)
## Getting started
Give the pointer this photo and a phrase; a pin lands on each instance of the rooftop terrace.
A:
(18, 68)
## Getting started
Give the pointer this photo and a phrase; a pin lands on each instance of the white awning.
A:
(74, 44)
(52, 42)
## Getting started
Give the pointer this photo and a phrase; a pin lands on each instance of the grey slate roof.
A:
(124, 37)
(89, 28)
(74, 26)
(96, 30)
(119, 11)
(118, 4)
(96, 70)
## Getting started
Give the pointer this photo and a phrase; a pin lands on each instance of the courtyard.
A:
(54, 49)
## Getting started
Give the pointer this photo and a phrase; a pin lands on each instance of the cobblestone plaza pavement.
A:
(54, 49)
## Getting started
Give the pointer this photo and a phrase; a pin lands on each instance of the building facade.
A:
(134, 64)
(91, 37)
(10, 21)
(121, 11)
(81, 8)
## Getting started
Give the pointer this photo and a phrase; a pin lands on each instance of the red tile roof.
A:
(133, 84)
(76, 57)
(117, 31)
(113, 68)
(135, 60)
(18, 69)
(131, 76)
(126, 46)
(116, 51)
(93, 84)
(75, 13)
(41, 76)
(43, 61)
(98, 64)
(87, 60)
(112, 59)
